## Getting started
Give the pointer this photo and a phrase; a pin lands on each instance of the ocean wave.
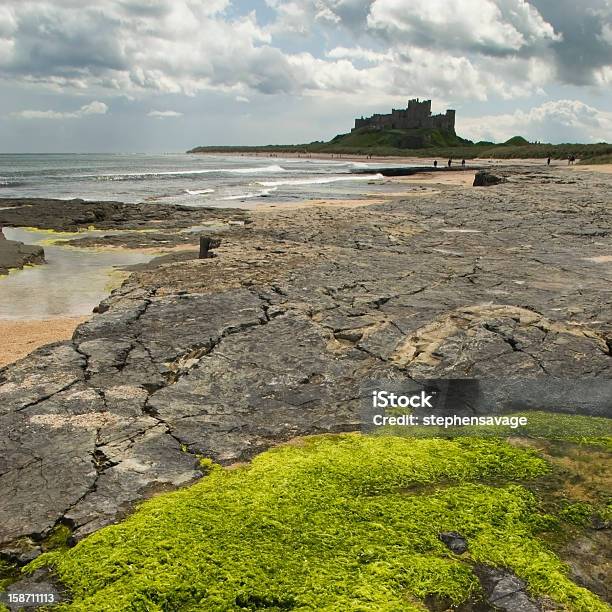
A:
(10, 183)
(273, 168)
(251, 194)
(321, 180)
(131, 176)
(198, 191)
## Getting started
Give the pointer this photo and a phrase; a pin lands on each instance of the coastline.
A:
(398, 159)
(271, 338)
(161, 237)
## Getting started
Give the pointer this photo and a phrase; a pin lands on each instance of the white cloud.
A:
(359, 53)
(242, 99)
(175, 46)
(488, 26)
(164, 114)
(554, 121)
(93, 108)
(476, 49)
(606, 33)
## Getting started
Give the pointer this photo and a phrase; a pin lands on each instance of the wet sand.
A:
(19, 338)
(444, 178)
(606, 168)
(371, 200)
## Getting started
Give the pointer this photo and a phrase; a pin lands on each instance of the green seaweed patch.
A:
(577, 513)
(326, 523)
(53, 232)
(58, 538)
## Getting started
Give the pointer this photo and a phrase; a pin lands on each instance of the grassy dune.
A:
(430, 144)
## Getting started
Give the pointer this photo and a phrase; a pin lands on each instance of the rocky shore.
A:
(74, 215)
(271, 338)
(14, 254)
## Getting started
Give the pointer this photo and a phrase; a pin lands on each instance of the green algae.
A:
(344, 522)
(58, 539)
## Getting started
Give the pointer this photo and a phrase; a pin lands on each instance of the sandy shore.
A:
(19, 338)
(398, 159)
(607, 168)
(465, 178)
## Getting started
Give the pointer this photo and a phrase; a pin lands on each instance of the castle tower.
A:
(450, 114)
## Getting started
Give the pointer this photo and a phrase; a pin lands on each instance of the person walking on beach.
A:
(450, 161)
(435, 163)
(463, 164)
(548, 162)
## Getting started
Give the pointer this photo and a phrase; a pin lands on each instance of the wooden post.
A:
(204, 247)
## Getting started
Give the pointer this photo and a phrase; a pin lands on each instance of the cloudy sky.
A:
(166, 75)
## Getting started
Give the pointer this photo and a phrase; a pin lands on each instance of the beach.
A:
(151, 230)
(19, 338)
(272, 334)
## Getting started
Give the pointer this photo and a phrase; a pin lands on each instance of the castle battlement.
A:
(416, 115)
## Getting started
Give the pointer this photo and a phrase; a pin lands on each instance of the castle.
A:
(416, 115)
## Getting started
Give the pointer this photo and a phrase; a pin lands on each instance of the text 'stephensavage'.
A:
(385, 400)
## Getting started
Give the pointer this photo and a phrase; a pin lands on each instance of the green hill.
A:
(398, 139)
(517, 141)
(427, 143)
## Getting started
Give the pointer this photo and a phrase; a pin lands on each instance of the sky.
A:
(168, 75)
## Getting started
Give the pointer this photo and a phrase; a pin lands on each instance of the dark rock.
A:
(14, 254)
(42, 583)
(207, 244)
(588, 557)
(454, 541)
(70, 215)
(483, 178)
(24, 551)
(505, 591)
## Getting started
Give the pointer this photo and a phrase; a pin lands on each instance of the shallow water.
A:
(71, 283)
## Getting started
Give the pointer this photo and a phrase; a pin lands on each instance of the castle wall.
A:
(416, 115)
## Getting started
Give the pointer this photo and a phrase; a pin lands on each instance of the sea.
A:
(189, 179)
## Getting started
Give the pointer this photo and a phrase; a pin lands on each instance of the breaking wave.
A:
(321, 180)
(198, 191)
(134, 176)
(251, 194)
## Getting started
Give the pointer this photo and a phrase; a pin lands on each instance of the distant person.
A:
(548, 162)
(450, 161)
(463, 164)
(435, 163)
